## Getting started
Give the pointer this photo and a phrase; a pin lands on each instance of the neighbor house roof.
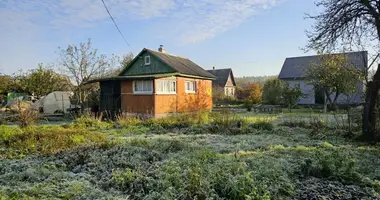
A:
(182, 65)
(294, 67)
(222, 76)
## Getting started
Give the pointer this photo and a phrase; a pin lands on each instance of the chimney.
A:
(162, 49)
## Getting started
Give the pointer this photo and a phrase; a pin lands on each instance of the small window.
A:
(143, 87)
(165, 86)
(147, 60)
(190, 86)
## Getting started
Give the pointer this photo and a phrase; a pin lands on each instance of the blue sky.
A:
(253, 37)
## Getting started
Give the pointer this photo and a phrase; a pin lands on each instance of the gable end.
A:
(138, 66)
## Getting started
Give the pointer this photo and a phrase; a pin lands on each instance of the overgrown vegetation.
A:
(18, 142)
(193, 156)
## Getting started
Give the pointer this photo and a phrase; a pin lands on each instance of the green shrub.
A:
(334, 165)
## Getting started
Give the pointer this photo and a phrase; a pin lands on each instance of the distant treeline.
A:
(251, 79)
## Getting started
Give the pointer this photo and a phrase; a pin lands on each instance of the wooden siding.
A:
(155, 67)
(166, 103)
(189, 102)
(135, 103)
(158, 104)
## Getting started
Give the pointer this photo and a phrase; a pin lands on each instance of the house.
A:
(156, 84)
(224, 79)
(293, 72)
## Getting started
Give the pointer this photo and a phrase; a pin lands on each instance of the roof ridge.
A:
(349, 52)
(167, 54)
(219, 69)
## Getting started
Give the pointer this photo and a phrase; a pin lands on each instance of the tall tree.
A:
(218, 94)
(42, 81)
(336, 75)
(343, 23)
(6, 83)
(82, 63)
(255, 93)
(272, 91)
(120, 63)
(127, 58)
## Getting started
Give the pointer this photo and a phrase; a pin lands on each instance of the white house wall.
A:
(354, 98)
(307, 90)
(309, 97)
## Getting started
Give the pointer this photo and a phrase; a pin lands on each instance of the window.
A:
(147, 60)
(143, 87)
(190, 86)
(165, 86)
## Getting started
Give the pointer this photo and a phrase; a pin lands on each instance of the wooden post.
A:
(325, 104)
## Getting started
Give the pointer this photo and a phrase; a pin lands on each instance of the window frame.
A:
(171, 81)
(142, 92)
(194, 87)
(145, 62)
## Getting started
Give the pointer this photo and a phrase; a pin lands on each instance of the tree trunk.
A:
(369, 112)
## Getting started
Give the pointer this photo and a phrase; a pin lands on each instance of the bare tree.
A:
(121, 62)
(341, 24)
(82, 64)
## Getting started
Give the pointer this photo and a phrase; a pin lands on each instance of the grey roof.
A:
(181, 64)
(295, 66)
(222, 76)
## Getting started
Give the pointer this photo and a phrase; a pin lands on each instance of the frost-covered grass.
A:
(224, 157)
(18, 142)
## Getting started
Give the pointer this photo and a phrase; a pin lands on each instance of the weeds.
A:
(27, 117)
(44, 140)
(124, 121)
(149, 168)
(333, 165)
(90, 122)
(202, 156)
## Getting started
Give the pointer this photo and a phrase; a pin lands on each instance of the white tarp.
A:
(55, 102)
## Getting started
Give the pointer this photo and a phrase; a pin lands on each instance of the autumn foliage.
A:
(251, 92)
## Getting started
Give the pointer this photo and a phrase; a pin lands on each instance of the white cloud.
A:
(193, 21)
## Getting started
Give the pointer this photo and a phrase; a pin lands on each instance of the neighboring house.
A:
(293, 72)
(224, 79)
(156, 83)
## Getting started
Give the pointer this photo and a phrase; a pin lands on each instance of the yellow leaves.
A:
(334, 72)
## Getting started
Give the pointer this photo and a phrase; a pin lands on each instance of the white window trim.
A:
(142, 92)
(191, 91)
(159, 92)
(146, 63)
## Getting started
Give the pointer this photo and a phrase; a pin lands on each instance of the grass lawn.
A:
(177, 159)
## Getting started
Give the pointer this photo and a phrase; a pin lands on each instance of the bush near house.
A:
(272, 91)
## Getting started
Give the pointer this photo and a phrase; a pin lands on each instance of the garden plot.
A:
(197, 157)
